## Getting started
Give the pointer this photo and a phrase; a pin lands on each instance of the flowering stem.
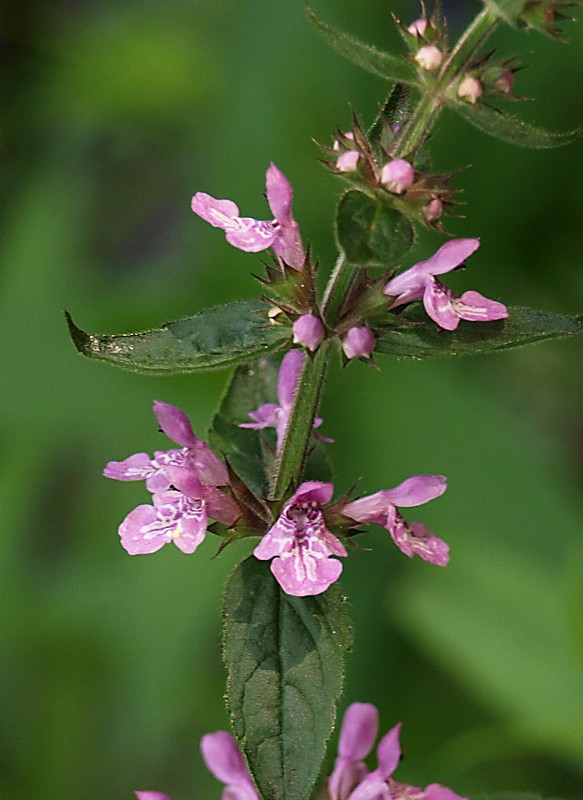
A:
(291, 459)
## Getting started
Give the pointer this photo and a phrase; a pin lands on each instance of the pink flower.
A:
(381, 509)
(441, 303)
(397, 175)
(176, 516)
(359, 342)
(300, 544)
(308, 331)
(272, 415)
(470, 89)
(152, 796)
(351, 779)
(194, 453)
(252, 235)
(417, 27)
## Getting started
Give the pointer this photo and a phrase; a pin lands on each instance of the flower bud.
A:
(346, 162)
(308, 331)
(429, 57)
(433, 210)
(397, 175)
(359, 342)
(417, 27)
(470, 89)
(505, 82)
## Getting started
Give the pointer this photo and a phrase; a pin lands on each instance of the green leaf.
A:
(251, 386)
(370, 232)
(285, 662)
(508, 10)
(384, 65)
(395, 111)
(510, 129)
(217, 337)
(424, 339)
(509, 796)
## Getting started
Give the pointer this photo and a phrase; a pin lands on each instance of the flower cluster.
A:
(350, 779)
(176, 514)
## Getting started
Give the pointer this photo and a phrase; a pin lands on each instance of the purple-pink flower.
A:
(253, 235)
(359, 342)
(351, 778)
(441, 303)
(412, 538)
(301, 545)
(276, 415)
(308, 331)
(224, 760)
(179, 515)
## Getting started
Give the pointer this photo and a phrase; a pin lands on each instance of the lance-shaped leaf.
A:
(396, 111)
(251, 386)
(216, 337)
(384, 65)
(418, 337)
(370, 232)
(508, 10)
(285, 662)
(510, 129)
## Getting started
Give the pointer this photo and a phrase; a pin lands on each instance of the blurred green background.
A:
(115, 113)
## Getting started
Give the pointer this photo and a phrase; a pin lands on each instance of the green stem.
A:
(291, 460)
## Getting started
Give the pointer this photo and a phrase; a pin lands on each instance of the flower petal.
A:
(388, 753)
(279, 194)
(265, 417)
(416, 538)
(416, 490)
(141, 531)
(312, 492)
(437, 792)
(174, 423)
(474, 307)
(224, 760)
(440, 304)
(287, 378)
(306, 574)
(359, 731)
(448, 257)
(134, 468)
(252, 235)
(151, 796)
(220, 506)
(220, 213)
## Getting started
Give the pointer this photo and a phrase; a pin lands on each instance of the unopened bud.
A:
(429, 57)
(397, 175)
(359, 342)
(470, 89)
(418, 27)
(505, 82)
(308, 331)
(347, 162)
(433, 210)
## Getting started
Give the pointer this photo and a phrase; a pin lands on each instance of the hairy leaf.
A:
(510, 129)
(396, 110)
(285, 662)
(384, 65)
(217, 337)
(416, 336)
(370, 232)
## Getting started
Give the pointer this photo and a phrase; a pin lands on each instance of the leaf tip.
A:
(80, 339)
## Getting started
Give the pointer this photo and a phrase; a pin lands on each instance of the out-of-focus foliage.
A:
(114, 114)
